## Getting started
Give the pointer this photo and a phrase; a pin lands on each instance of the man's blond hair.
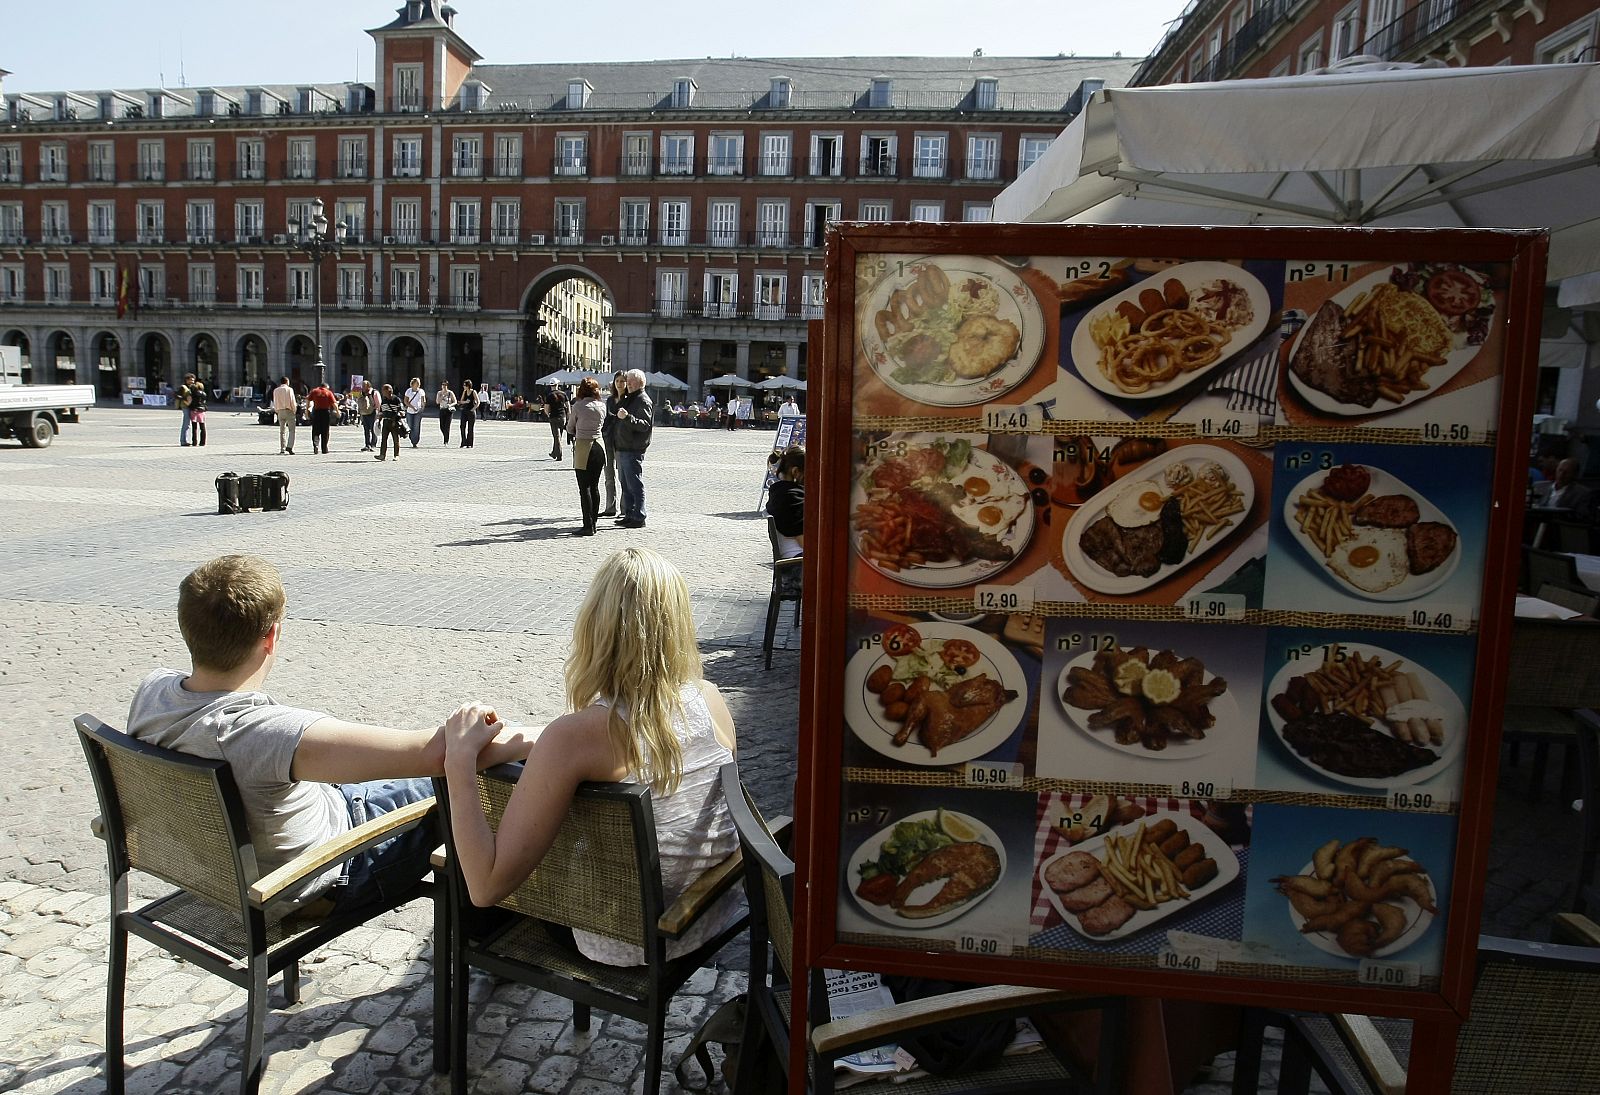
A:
(226, 606)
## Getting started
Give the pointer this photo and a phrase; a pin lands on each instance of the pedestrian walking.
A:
(368, 404)
(445, 400)
(284, 405)
(635, 423)
(555, 408)
(588, 452)
(415, 400)
(608, 432)
(390, 410)
(467, 407)
(322, 401)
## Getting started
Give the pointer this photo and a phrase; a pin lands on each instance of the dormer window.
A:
(878, 97)
(779, 92)
(155, 104)
(578, 94)
(305, 100)
(683, 90)
(207, 105)
(413, 10)
(986, 94)
(472, 96)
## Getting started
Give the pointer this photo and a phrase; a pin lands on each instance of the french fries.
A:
(1349, 682)
(1387, 355)
(1208, 507)
(1139, 872)
(1327, 522)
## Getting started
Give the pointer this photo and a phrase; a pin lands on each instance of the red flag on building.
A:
(122, 292)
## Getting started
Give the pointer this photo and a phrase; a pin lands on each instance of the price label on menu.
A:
(1235, 426)
(1007, 418)
(1202, 787)
(1426, 802)
(993, 775)
(1214, 606)
(1459, 433)
(987, 945)
(1186, 961)
(1389, 975)
(997, 598)
(1437, 617)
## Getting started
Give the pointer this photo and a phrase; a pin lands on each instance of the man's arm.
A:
(334, 751)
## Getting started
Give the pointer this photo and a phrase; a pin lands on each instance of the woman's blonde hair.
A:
(634, 646)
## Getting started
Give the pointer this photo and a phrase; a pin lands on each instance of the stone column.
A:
(741, 358)
(696, 376)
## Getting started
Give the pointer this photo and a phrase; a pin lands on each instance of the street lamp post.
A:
(312, 238)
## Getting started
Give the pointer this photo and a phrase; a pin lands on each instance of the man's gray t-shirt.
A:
(257, 737)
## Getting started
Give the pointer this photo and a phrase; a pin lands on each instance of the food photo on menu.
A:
(1384, 529)
(1177, 340)
(1166, 704)
(1151, 520)
(1114, 874)
(1331, 888)
(934, 863)
(929, 690)
(1397, 344)
(951, 332)
(1365, 713)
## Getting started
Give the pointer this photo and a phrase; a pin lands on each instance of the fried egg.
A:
(1371, 559)
(990, 509)
(1139, 504)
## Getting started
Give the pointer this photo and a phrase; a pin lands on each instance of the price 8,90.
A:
(1202, 787)
(986, 946)
(998, 598)
(1389, 975)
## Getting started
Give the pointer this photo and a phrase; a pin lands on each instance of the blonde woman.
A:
(640, 711)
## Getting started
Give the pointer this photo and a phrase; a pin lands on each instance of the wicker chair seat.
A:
(1528, 723)
(223, 930)
(529, 944)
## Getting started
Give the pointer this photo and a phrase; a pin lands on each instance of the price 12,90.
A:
(1390, 975)
(998, 598)
(1186, 961)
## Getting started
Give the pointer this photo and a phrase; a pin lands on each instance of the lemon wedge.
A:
(955, 828)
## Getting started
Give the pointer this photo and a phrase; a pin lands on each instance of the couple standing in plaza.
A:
(620, 424)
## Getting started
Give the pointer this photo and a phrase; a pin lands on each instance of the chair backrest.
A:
(602, 872)
(772, 537)
(1554, 663)
(1535, 1021)
(769, 873)
(785, 572)
(1574, 536)
(1552, 568)
(170, 815)
(1569, 598)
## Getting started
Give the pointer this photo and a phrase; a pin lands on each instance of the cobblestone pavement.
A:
(410, 589)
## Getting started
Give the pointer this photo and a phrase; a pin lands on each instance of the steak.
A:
(1324, 362)
(1071, 871)
(1124, 551)
(1428, 543)
(1388, 511)
(1174, 541)
(1107, 916)
(1345, 745)
(1085, 898)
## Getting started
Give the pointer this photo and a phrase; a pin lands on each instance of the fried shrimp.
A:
(982, 345)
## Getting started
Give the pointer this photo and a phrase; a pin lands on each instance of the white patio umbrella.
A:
(774, 383)
(729, 381)
(665, 380)
(1503, 147)
(563, 376)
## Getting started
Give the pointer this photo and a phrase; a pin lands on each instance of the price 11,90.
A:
(1214, 606)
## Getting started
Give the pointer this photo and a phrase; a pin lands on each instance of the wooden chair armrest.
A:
(1575, 930)
(886, 1024)
(1372, 1053)
(97, 826)
(313, 861)
(702, 892)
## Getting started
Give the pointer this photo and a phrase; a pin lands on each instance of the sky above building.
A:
(196, 43)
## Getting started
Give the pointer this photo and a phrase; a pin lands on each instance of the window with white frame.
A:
(202, 162)
(827, 154)
(248, 220)
(152, 284)
(12, 285)
(407, 87)
(202, 284)
(352, 213)
(877, 155)
(572, 154)
(1310, 55)
(405, 220)
(251, 281)
(464, 287)
(811, 296)
(467, 156)
(302, 286)
(53, 222)
(569, 220)
(779, 93)
(102, 222)
(930, 157)
(352, 157)
(302, 159)
(677, 153)
(403, 285)
(876, 211)
(674, 223)
(683, 90)
(103, 285)
(1572, 44)
(1029, 149)
(775, 153)
(298, 211)
(671, 291)
(11, 223)
(636, 153)
(252, 161)
(983, 157)
(985, 93)
(1236, 21)
(53, 162)
(977, 212)
(578, 94)
(772, 223)
(1384, 29)
(1346, 40)
(200, 221)
(352, 286)
(722, 223)
(102, 161)
(508, 155)
(57, 284)
(465, 224)
(10, 163)
(152, 221)
(927, 211)
(506, 219)
(726, 154)
(152, 161)
(407, 157)
(635, 221)
(880, 95)
(771, 295)
(721, 295)
(818, 216)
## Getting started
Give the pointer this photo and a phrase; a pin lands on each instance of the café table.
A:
(1532, 608)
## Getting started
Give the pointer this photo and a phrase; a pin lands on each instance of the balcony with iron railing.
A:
(508, 167)
(299, 169)
(466, 167)
(1269, 18)
(352, 169)
(405, 169)
(249, 171)
(1421, 26)
(695, 306)
(570, 165)
(151, 171)
(200, 170)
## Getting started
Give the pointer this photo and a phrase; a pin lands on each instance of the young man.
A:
(323, 402)
(305, 777)
(367, 402)
(392, 411)
(181, 398)
(635, 423)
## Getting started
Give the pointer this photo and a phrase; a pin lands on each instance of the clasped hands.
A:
(466, 732)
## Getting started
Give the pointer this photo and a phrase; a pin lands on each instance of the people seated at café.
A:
(1563, 491)
(786, 502)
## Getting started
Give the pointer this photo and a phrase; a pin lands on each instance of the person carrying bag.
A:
(588, 452)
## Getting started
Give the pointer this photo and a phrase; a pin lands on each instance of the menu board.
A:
(1161, 584)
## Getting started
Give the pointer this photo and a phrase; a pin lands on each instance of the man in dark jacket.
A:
(635, 421)
(555, 409)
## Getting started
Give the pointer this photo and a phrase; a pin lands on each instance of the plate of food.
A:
(936, 693)
(1360, 899)
(1391, 338)
(1170, 329)
(1157, 705)
(952, 330)
(1137, 874)
(926, 869)
(1157, 520)
(1372, 534)
(1365, 716)
(934, 510)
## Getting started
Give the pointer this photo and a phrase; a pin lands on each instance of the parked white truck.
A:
(33, 413)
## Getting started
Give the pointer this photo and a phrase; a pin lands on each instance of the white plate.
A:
(1224, 708)
(1455, 718)
(1414, 585)
(1095, 576)
(947, 574)
(865, 716)
(1215, 847)
(1417, 921)
(1017, 305)
(869, 851)
(1454, 359)
(1086, 355)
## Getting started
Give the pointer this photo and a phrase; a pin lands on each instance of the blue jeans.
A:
(399, 861)
(183, 433)
(630, 481)
(414, 426)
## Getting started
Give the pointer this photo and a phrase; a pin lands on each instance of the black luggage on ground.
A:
(251, 492)
(275, 490)
(227, 493)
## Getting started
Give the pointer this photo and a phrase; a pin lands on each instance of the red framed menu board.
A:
(1159, 583)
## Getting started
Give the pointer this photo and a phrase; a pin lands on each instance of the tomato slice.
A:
(900, 640)
(1453, 292)
(958, 654)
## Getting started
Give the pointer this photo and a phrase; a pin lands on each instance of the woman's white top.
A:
(446, 399)
(694, 831)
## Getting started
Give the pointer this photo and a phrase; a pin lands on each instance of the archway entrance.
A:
(406, 358)
(300, 357)
(20, 341)
(156, 353)
(567, 325)
(203, 359)
(107, 353)
(62, 353)
(350, 355)
(253, 364)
